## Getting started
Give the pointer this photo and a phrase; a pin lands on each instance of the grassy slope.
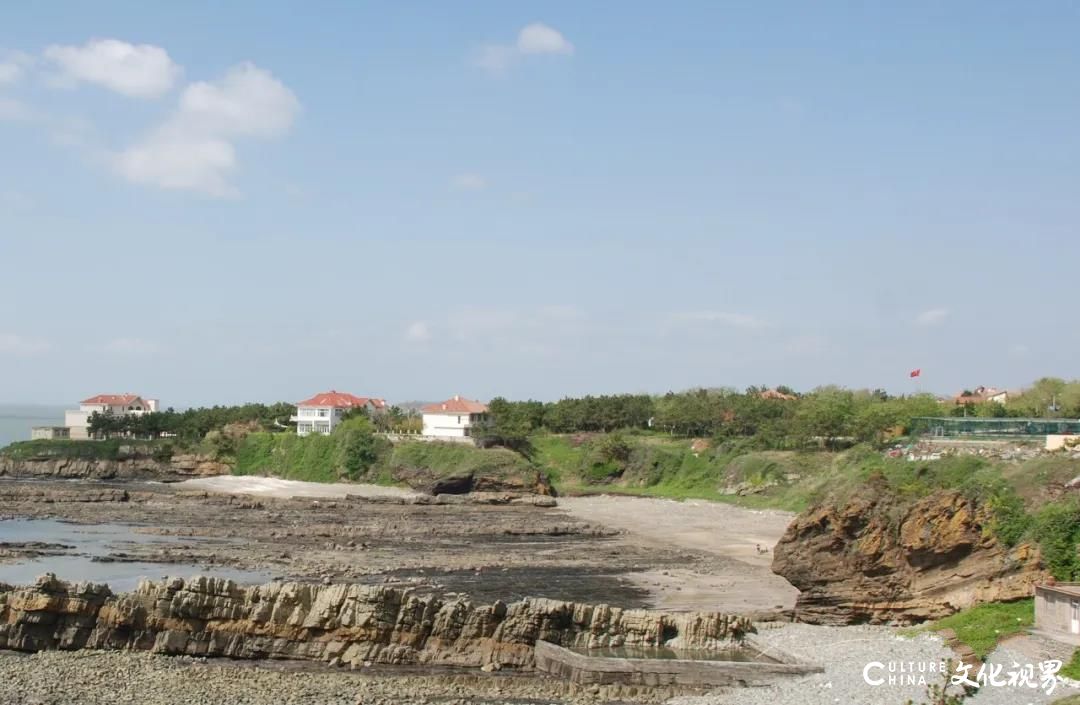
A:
(320, 459)
(96, 450)
(661, 466)
(982, 626)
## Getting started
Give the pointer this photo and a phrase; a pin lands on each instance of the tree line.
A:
(190, 424)
(773, 418)
(194, 424)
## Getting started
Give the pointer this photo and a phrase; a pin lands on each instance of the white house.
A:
(78, 420)
(323, 412)
(452, 419)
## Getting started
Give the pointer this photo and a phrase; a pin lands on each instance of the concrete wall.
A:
(448, 425)
(49, 433)
(1053, 613)
(579, 668)
(404, 437)
(1058, 441)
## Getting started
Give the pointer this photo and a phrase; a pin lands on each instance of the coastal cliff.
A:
(874, 558)
(344, 624)
(129, 462)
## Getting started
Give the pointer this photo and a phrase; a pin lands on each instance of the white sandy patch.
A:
(275, 487)
(742, 540)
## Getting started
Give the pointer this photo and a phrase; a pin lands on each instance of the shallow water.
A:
(89, 541)
(665, 653)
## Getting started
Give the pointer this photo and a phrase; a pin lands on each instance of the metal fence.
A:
(946, 426)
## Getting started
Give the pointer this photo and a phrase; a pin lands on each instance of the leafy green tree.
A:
(826, 415)
(358, 448)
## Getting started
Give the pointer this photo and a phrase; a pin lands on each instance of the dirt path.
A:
(738, 577)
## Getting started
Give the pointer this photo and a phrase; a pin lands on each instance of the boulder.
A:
(874, 558)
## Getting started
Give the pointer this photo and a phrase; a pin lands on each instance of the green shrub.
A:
(1057, 529)
(444, 459)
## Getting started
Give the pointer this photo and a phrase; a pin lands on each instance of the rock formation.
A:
(347, 624)
(132, 462)
(870, 559)
(526, 482)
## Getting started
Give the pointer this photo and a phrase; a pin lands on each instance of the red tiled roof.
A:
(457, 405)
(341, 400)
(112, 399)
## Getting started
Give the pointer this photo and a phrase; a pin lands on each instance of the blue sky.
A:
(260, 201)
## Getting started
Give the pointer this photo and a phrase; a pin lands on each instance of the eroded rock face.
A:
(351, 623)
(858, 562)
(135, 464)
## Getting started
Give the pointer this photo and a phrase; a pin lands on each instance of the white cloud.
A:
(735, 320)
(474, 322)
(134, 70)
(15, 110)
(16, 200)
(538, 38)
(12, 344)
(131, 346)
(418, 332)
(1019, 350)
(807, 345)
(9, 72)
(13, 67)
(193, 150)
(533, 39)
(932, 317)
(560, 312)
(469, 182)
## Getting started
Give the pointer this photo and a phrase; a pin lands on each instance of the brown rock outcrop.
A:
(133, 462)
(871, 560)
(350, 623)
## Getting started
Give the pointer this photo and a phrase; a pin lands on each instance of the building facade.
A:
(453, 419)
(323, 412)
(1057, 612)
(78, 420)
(50, 433)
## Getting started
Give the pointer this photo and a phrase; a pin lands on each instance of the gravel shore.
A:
(115, 678)
(844, 652)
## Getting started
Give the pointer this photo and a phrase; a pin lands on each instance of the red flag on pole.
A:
(916, 373)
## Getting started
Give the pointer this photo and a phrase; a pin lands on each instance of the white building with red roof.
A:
(324, 411)
(78, 420)
(452, 419)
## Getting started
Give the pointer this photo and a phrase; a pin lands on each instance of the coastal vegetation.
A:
(983, 626)
(354, 452)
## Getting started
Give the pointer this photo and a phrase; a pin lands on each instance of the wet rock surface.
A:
(858, 562)
(485, 548)
(497, 545)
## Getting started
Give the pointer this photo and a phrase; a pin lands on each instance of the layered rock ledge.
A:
(342, 624)
(132, 462)
(872, 560)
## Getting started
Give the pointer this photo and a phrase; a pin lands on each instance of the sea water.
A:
(89, 541)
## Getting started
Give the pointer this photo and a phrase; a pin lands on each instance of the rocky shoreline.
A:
(132, 463)
(348, 625)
